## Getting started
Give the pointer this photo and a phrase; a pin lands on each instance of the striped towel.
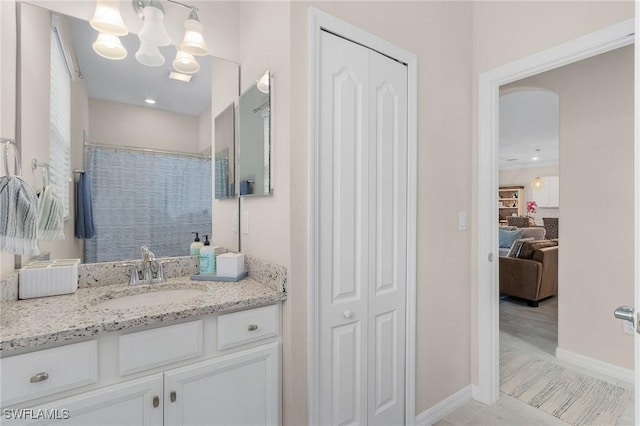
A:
(50, 215)
(18, 216)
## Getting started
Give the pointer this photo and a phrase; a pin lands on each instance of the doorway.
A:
(603, 41)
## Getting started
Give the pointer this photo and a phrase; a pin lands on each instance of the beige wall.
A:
(522, 177)
(596, 175)
(507, 31)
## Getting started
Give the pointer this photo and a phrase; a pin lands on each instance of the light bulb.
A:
(109, 46)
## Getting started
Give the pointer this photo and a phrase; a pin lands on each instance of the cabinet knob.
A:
(347, 314)
(253, 327)
(172, 396)
(156, 401)
(40, 377)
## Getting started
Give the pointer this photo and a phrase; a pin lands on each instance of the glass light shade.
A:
(185, 63)
(193, 41)
(109, 46)
(263, 83)
(149, 55)
(153, 31)
(537, 183)
(107, 18)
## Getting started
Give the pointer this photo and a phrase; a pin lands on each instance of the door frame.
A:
(486, 235)
(318, 21)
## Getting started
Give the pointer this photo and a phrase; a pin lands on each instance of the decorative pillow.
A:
(517, 245)
(507, 237)
(527, 249)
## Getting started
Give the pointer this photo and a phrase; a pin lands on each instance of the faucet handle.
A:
(147, 255)
(135, 272)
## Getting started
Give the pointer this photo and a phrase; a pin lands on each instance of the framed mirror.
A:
(119, 138)
(254, 139)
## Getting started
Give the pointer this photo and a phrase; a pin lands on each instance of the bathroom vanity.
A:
(211, 357)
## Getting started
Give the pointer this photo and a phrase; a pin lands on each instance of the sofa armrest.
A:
(520, 277)
(548, 257)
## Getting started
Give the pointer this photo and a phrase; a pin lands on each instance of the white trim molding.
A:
(444, 407)
(595, 365)
(319, 21)
(602, 41)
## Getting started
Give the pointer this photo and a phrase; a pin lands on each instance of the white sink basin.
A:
(151, 298)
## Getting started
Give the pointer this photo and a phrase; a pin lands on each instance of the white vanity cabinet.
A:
(194, 381)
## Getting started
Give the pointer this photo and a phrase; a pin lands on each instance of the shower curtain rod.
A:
(147, 150)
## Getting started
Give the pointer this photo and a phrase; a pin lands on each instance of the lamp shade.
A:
(193, 41)
(153, 31)
(109, 46)
(263, 83)
(149, 55)
(537, 183)
(107, 18)
(185, 63)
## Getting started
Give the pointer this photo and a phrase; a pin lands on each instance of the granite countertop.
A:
(33, 322)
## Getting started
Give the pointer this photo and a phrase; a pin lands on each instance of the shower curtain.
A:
(148, 199)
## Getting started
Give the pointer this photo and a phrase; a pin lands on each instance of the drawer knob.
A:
(156, 401)
(347, 314)
(172, 396)
(40, 377)
(253, 327)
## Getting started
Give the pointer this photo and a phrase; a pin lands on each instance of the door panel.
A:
(344, 118)
(388, 223)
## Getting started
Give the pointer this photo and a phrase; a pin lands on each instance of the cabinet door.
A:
(130, 403)
(238, 389)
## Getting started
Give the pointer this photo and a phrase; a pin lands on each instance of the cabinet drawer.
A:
(243, 327)
(37, 374)
(161, 346)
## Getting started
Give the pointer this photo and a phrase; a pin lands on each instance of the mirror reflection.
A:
(225, 153)
(254, 139)
(141, 142)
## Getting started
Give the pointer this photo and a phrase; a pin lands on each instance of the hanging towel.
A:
(50, 215)
(18, 216)
(84, 211)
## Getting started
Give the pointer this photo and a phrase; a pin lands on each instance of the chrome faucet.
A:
(148, 271)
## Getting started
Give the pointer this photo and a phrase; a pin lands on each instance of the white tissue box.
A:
(48, 278)
(230, 265)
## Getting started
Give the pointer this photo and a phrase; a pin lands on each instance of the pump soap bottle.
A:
(196, 245)
(207, 258)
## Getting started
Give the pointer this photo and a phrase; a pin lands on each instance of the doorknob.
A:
(624, 313)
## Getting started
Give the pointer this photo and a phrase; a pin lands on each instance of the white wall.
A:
(506, 31)
(523, 177)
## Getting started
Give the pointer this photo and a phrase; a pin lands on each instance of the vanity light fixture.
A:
(109, 46)
(107, 18)
(263, 83)
(149, 55)
(180, 76)
(185, 63)
(153, 31)
(193, 41)
(537, 183)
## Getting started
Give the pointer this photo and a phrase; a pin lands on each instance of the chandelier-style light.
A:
(109, 46)
(537, 183)
(153, 31)
(149, 55)
(185, 63)
(193, 41)
(107, 18)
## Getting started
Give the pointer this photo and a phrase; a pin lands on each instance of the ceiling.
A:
(529, 129)
(130, 82)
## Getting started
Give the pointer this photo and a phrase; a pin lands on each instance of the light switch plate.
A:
(244, 225)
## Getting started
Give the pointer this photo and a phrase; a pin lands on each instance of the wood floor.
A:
(535, 331)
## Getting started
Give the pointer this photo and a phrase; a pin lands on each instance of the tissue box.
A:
(48, 278)
(230, 265)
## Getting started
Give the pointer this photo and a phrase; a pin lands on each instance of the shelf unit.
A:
(510, 201)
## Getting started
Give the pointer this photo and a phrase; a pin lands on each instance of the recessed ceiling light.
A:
(535, 158)
(150, 101)
(180, 76)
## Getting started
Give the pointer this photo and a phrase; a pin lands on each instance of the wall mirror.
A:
(145, 140)
(254, 139)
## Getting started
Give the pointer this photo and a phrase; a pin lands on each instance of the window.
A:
(60, 131)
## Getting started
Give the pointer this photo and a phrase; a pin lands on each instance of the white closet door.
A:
(363, 234)
(387, 240)
(344, 230)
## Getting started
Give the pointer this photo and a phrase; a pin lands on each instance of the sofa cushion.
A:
(517, 245)
(535, 232)
(507, 237)
(527, 249)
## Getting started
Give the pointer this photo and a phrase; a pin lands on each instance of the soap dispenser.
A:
(207, 258)
(196, 245)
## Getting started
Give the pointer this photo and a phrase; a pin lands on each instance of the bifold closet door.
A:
(362, 219)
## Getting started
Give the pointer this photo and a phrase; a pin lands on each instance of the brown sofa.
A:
(532, 279)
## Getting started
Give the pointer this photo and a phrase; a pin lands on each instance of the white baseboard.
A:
(595, 365)
(444, 407)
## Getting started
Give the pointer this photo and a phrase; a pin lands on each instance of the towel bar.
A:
(7, 142)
